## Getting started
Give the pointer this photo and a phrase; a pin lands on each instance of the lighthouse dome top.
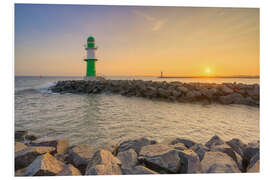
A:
(90, 39)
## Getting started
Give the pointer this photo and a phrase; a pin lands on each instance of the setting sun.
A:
(207, 71)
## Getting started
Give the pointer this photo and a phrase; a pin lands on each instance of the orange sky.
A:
(137, 40)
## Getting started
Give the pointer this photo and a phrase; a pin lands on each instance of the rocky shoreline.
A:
(37, 157)
(206, 93)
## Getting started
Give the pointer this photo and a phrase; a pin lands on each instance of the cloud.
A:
(156, 24)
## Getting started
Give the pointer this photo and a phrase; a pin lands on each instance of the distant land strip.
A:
(248, 77)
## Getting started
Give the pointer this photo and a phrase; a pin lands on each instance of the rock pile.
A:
(226, 93)
(139, 156)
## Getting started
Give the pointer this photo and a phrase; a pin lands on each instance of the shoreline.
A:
(134, 156)
(205, 93)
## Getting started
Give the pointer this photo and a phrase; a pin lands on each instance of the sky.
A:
(136, 40)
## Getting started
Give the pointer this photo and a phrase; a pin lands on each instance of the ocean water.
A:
(106, 119)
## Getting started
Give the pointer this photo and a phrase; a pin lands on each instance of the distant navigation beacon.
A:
(90, 59)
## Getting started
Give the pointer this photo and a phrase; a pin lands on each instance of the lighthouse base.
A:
(93, 78)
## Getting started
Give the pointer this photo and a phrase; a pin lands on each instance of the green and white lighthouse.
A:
(91, 59)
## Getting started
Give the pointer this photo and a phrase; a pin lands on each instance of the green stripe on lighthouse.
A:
(91, 67)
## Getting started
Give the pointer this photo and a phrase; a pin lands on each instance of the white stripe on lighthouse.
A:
(91, 54)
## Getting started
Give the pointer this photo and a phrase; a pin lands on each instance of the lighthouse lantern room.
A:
(90, 59)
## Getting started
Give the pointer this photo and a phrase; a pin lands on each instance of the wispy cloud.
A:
(156, 24)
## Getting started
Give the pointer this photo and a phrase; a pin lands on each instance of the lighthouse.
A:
(90, 59)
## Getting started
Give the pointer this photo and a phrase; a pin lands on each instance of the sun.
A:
(207, 71)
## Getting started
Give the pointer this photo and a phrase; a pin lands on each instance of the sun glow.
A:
(207, 71)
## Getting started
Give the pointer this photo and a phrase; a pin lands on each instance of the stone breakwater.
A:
(206, 93)
(37, 157)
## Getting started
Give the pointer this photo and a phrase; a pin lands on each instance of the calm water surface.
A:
(107, 119)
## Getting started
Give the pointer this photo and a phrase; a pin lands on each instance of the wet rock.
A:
(182, 89)
(24, 155)
(20, 135)
(226, 90)
(190, 162)
(214, 141)
(163, 93)
(19, 146)
(238, 146)
(44, 165)
(254, 164)
(61, 146)
(218, 162)
(160, 157)
(136, 144)
(225, 148)
(200, 150)
(103, 163)
(250, 151)
(80, 155)
(69, 170)
(128, 158)
(138, 170)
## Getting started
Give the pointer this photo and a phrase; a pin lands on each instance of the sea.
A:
(107, 119)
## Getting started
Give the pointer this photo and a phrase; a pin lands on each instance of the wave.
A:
(44, 88)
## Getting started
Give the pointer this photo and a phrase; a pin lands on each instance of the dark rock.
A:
(250, 151)
(24, 155)
(69, 170)
(190, 162)
(226, 90)
(200, 150)
(136, 144)
(215, 140)
(254, 164)
(225, 148)
(218, 162)
(173, 141)
(20, 135)
(103, 163)
(128, 158)
(160, 157)
(80, 155)
(44, 165)
(238, 146)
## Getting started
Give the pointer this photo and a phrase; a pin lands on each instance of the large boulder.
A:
(238, 146)
(160, 157)
(24, 155)
(215, 140)
(218, 162)
(128, 158)
(225, 148)
(190, 162)
(138, 170)
(69, 170)
(44, 165)
(103, 163)
(136, 144)
(80, 155)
